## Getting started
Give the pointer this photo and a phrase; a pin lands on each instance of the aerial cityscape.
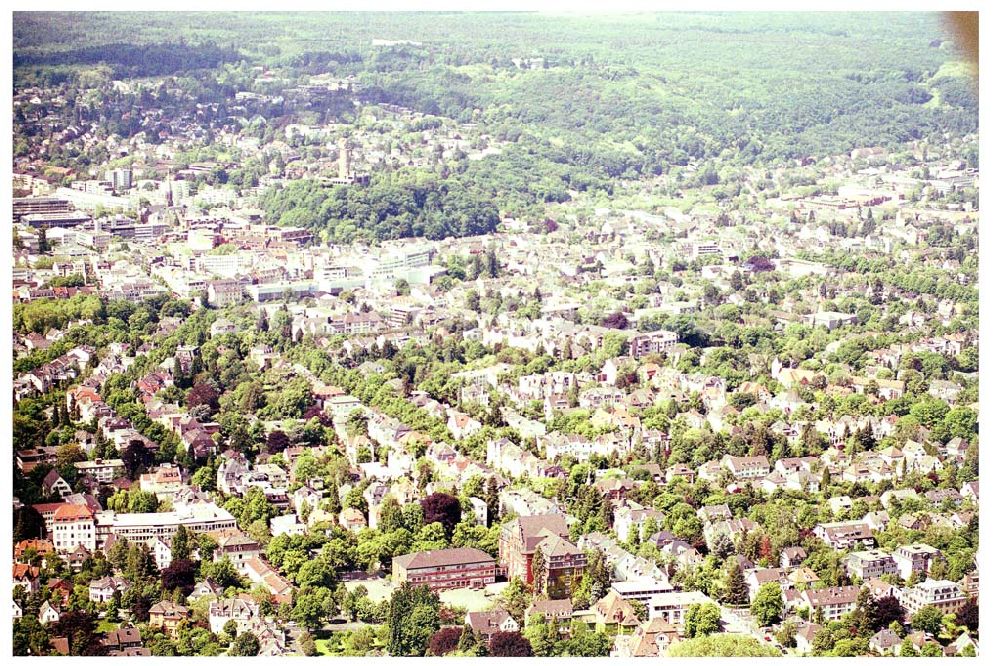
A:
(495, 334)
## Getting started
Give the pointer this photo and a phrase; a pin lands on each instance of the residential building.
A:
(241, 611)
(870, 564)
(101, 470)
(914, 558)
(672, 606)
(845, 535)
(487, 623)
(834, 602)
(942, 594)
(167, 616)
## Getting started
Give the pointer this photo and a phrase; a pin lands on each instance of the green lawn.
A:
(105, 626)
(323, 647)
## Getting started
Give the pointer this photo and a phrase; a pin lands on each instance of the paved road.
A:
(344, 626)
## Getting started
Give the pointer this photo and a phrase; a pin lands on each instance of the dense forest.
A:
(577, 107)
(135, 60)
(685, 86)
(387, 209)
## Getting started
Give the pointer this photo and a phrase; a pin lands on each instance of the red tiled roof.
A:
(25, 571)
(70, 512)
(48, 507)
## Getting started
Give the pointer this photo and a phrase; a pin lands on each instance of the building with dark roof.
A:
(445, 569)
(520, 537)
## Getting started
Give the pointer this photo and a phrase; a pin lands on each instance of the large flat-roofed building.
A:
(39, 205)
(125, 227)
(141, 527)
(641, 589)
(445, 569)
(672, 606)
(260, 293)
(62, 220)
(93, 200)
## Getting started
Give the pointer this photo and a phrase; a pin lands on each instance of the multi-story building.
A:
(845, 535)
(101, 470)
(163, 481)
(53, 220)
(916, 557)
(562, 566)
(942, 594)
(970, 585)
(167, 616)
(239, 549)
(124, 227)
(141, 527)
(487, 623)
(101, 590)
(524, 502)
(652, 343)
(120, 179)
(520, 537)
(125, 642)
(240, 611)
(39, 205)
(625, 517)
(747, 467)
(672, 606)
(224, 292)
(867, 564)
(833, 602)
(26, 576)
(445, 569)
(356, 324)
(73, 526)
(260, 571)
(700, 249)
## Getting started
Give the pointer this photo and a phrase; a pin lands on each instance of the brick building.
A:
(520, 537)
(445, 569)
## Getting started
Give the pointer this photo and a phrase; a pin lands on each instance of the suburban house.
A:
(241, 611)
(845, 535)
(167, 616)
(488, 623)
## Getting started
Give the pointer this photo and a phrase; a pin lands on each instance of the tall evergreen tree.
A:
(492, 265)
(180, 547)
(492, 501)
